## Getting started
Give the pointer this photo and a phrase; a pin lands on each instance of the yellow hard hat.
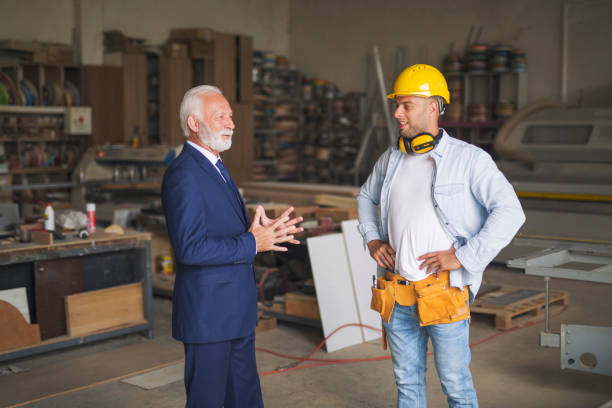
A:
(421, 80)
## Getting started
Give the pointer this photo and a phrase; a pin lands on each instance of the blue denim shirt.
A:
(475, 203)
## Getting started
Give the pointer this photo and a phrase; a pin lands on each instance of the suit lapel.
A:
(242, 205)
(208, 167)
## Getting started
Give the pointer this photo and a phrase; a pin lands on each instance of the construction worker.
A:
(445, 212)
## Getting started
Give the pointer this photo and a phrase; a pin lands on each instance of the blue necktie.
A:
(223, 170)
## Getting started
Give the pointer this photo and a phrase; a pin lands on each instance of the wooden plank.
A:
(302, 305)
(89, 312)
(337, 214)
(99, 238)
(52, 281)
(335, 200)
(363, 267)
(18, 298)
(330, 271)
(224, 60)
(175, 78)
(16, 332)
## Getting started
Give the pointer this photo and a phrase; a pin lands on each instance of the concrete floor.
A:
(510, 370)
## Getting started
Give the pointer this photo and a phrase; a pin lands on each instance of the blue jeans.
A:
(408, 343)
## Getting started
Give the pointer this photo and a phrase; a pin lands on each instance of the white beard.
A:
(215, 140)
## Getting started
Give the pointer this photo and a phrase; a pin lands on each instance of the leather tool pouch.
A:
(439, 303)
(383, 298)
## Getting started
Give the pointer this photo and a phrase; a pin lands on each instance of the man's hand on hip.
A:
(440, 261)
(278, 231)
(382, 253)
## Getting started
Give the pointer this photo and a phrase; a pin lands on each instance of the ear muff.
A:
(421, 143)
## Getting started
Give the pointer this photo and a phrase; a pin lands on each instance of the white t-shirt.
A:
(414, 227)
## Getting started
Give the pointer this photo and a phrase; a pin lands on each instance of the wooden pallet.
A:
(509, 302)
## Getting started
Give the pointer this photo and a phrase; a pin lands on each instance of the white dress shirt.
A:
(208, 154)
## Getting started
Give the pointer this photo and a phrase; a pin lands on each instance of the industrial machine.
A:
(559, 161)
(120, 180)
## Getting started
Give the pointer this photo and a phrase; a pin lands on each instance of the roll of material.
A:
(4, 95)
(75, 95)
(52, 94)
(11, 90)
(30, 91)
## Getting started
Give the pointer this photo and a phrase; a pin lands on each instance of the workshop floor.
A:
(510, 370)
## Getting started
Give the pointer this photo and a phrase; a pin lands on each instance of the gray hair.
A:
(192, 104)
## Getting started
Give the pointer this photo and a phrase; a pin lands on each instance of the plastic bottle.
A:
(49, 218)
(91, 217)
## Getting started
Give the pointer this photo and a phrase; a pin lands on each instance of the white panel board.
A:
(18, 298)
(362, 268)
(334, 287)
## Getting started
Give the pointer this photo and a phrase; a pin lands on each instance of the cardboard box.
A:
(54, 54)
(176, 49)
(116, 41)
(301, 305)
(199, 48)
(205, 34)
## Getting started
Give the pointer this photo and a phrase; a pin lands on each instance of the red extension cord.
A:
(325, 362)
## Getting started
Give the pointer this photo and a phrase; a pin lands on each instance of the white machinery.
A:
(559, 161)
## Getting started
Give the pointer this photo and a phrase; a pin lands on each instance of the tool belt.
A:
(437, 302)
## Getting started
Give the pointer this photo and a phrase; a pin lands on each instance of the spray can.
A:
(49, 218)
(91, 218)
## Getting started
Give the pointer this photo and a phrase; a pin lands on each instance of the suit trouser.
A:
(222, 374)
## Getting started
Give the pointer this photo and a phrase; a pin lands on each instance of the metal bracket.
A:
(586, 348)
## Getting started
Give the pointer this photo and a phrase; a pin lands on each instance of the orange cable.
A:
(326, 362)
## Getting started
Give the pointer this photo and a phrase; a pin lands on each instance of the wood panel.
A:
(335, 294)
(52, 281)
(245, 68)
(102, 90)
(175, 78)
(89, 312)
(363, 267)
(224, 69)
(16, 332)
(134, 68)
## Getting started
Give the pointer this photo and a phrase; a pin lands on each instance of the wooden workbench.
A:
(69, 269)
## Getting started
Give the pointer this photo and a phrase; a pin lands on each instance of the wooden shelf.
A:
(34, 140)
(59, 110)
(40, 170)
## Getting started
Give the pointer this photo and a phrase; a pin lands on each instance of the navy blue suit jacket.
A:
(215, 297)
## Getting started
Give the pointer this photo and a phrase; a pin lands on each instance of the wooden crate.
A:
(510, 302)
(264, 323)
(89, 312)
(301, 305)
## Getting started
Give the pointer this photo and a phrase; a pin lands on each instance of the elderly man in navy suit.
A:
(214, 309)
